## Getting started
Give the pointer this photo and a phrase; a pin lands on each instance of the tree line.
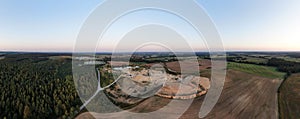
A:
(284, 66)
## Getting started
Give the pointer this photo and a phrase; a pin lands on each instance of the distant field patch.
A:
(188, 66)
(264, 71)
(287, 58)
(257, 60)
(60, 57)
(1, 58)
(250, 59)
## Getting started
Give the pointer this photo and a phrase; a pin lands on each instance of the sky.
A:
(244, 25)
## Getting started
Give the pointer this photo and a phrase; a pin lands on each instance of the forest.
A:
(36, 87)
(284, 66)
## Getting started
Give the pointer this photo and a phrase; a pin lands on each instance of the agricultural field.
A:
(289, 98)
(60, 57)
(257, 60)
(249, 59)
(203, 66)
(288, 58)
(264, 71)
(254, 97)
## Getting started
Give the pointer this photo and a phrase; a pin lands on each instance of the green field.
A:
(257, 60)
(292, 59)
(252, 59)
(264, 71)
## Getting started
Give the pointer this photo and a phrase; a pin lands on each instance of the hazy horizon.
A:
(233, 51)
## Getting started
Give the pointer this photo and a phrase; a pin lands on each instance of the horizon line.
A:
(70, 52)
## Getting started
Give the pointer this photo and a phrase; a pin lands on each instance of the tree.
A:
(15, 116)
(26, 112)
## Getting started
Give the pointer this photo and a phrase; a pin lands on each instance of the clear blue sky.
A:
(53, 25)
